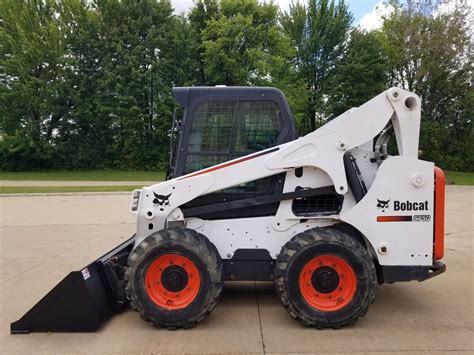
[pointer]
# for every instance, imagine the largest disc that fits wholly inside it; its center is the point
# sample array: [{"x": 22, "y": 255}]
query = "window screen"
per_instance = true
[{"x": 225, "y": 130}]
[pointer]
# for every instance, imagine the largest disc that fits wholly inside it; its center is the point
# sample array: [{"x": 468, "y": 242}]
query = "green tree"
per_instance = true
[
  {"x": 87, "y": 84},
  {"x": 244, "y": 45},
  {"x": 359, "y": 76},
  {"x": 122, "y": 74},
  {"x": 319, "y": 32},
  {"x": 32, "y": 65},
  {"x": 86, "y": 139},
  {"x": 421, "y": 60},
  {"x": 182, "y": 63},
  {"x": 199, "y": 16}
]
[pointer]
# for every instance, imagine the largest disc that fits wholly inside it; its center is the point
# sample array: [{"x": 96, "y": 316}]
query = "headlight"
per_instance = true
[{"x": 135, "y": 200}]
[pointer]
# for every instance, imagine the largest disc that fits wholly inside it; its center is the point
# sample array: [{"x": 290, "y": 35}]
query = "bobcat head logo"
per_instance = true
[
  {"x": 383, "y": 204},
  {"x": 162, "y": 200}
]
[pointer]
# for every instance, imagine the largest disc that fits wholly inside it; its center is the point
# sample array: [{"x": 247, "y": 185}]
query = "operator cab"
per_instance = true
[{"x": 224, "y": 123}]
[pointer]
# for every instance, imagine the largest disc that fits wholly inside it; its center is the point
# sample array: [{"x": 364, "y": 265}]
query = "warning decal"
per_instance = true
[{"x": 85, "y": 273}]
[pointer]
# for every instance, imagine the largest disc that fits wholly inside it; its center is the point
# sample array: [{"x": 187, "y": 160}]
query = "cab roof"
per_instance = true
[{"x": 185, "y": 96}]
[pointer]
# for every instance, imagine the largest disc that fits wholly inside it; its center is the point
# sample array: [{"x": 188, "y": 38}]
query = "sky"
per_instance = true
[
  {"x": 359, "y": 8},
  {"x": 372, "y": 20},
  {"x": 367, "y": 13}
]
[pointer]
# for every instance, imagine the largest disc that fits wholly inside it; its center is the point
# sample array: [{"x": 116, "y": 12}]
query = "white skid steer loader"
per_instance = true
[{"x": 326, "y": 216}]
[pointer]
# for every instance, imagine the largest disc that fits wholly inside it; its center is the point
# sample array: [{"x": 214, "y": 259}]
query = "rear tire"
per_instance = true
[
  {"x": 174, "y": 278},
  {"x": 325, "y": 279}
]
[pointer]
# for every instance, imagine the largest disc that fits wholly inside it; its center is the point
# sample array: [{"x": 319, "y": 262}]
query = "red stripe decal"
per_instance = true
[
  {"x": 394, "y": 218},
  {"x": 230, "y": 163}
]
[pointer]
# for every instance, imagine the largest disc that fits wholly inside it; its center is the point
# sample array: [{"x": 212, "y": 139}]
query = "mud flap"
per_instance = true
[{"x": 83, "y": 300}]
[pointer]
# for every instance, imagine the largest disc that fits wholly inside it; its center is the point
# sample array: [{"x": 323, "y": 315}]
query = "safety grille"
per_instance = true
[
  {"x": 320, "y": 205},
  {"x": 225, "y": 130}
]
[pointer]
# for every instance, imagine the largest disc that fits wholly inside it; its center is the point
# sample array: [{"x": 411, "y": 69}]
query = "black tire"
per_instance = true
[
  {"x": 182, "y": 242},
  {"x": 299, "y": 251}
]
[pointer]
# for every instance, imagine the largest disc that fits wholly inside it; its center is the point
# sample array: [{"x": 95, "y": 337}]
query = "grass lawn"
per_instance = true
[
  {"x": 458, "y": 178},
  {"x": 51, "y": 189},
  {"x": 97, "y": 175}
]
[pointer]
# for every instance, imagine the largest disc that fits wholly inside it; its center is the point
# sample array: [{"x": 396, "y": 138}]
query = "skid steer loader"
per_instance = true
[{"x": 326, "y": 216}]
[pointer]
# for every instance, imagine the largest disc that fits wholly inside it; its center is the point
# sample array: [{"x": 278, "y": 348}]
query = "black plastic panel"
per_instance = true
[
  {"x": 249, "y": 265},
  {"x": 354, "y": 177}
]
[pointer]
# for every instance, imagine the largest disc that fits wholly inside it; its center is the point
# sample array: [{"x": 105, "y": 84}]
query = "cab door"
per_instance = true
[{"x": 217, "y": 129}]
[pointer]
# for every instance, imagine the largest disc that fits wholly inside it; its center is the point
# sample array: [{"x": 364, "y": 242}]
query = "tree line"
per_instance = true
[{"x": 87, "y": 84}]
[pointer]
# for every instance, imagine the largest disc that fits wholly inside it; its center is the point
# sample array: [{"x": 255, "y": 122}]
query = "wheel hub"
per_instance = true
[
  {"x": 172, "y": 281},
  {"x": 174, "y": 278},
  {"x": 327, "y": 283},
  {"x": 325, "y": 279}
]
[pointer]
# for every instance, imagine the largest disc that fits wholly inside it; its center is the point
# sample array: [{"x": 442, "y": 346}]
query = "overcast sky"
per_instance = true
[
  {"x": 367, "y": 13},
  {"x": 359, "y": 8}
]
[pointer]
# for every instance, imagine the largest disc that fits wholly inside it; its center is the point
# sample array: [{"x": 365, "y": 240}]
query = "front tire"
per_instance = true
[
  {"x": 325, "y": 279},
  {"x": 174, "y": 278}
]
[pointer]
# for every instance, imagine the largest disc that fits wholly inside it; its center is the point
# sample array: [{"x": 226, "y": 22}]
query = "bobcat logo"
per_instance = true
[
  {"x": 161, "y": 200},
  {"x": 383, "y": 204}
]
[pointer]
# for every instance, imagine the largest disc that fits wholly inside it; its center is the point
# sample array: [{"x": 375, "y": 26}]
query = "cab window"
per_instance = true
[{"x": 225, "y": 130}]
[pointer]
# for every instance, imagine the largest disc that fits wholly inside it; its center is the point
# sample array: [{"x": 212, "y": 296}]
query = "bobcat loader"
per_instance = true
[{"x": 327, "y": 216}]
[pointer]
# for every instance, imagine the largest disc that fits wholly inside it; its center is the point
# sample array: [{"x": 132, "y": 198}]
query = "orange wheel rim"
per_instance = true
[
  {"x": 172, "y": 281},
  {"x": 328, "y": 283}
]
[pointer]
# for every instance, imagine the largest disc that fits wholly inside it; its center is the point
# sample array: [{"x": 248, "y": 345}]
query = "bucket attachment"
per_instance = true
[{"x": 83, "y": 300}]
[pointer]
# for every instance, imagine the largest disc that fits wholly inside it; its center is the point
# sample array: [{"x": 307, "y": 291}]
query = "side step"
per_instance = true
[{"x": 83, "y": 300}]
